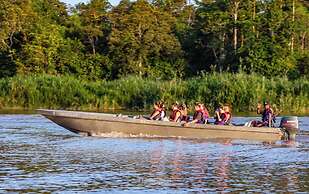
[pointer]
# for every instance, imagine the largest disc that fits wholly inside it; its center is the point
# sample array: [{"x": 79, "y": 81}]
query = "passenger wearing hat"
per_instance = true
[{"x": 267, "y": 115}]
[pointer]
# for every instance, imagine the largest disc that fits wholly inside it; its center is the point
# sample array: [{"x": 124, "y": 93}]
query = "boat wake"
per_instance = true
[{"x": 300, "y": 139}]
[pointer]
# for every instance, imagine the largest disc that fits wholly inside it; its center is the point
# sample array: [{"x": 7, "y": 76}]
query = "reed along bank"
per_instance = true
[{"x": 241, "y": 91}]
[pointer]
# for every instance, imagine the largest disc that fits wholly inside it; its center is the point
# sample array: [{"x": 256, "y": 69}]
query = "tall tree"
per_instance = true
[
  {"x": 39, "y": 52},
  {"x": 142, "y": 41},
  {"x": 235, "y": 12},
  {"x": 94, "y": 22},
  {"x": 210, "y": 36},
  {"x": 14, "y": 18}
]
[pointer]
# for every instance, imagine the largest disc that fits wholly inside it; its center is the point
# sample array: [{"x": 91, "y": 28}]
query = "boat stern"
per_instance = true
[{"x": 289, "y": 125}]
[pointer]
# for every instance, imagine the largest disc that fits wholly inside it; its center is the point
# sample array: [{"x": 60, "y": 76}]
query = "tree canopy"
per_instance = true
[{"x": 164, "y": 39}]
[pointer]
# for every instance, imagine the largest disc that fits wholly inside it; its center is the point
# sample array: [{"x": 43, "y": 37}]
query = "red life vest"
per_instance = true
[
  {"x": 224, "y": 116},
  {"x": 173, "y": 115},
  {"x": 228, "y": 118},
  {"x": 205, "y": 114}
]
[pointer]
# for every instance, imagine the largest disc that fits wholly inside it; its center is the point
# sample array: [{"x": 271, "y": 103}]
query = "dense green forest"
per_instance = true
[{"x": 159, "y": 40}]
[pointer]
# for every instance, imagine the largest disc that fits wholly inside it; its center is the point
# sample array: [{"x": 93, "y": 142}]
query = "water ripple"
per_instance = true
[{"x": 39, "y": 156}]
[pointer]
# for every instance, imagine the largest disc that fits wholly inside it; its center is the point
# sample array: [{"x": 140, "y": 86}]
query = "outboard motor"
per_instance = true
[{"x": 290, "y": 126}]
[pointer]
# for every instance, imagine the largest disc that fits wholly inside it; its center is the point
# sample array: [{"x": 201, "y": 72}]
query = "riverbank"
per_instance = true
[{"x": 242, "y": 91}]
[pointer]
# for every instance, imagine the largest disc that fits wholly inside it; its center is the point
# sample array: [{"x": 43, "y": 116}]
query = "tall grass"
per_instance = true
[{"x": 241, "y": 91}]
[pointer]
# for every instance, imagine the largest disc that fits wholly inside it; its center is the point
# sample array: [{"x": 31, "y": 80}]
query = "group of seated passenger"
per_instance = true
[{"x": 179, "y": 113}]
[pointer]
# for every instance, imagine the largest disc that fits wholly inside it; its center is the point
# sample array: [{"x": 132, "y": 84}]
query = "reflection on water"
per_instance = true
[{"x": 38, "y": 156}]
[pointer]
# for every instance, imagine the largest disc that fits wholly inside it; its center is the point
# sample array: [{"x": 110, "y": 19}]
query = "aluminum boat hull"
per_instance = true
[{"x": 100, "y": 124}]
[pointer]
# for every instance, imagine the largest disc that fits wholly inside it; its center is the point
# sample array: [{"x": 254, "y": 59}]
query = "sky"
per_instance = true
[{"x": 73, "y": 2}]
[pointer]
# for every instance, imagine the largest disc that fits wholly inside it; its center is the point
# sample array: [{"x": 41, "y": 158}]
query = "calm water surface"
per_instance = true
[{"x": 39, "y": 156}]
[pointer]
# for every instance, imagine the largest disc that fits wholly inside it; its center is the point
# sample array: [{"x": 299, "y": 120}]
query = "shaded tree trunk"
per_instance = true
[
  {"x": 235, "y": 14},
  {"x": 11, "y": 39},
  {"x": 253, "y": 14},
  {"x": 222, "y": 51},
  {"x": 303, "y": 39},
  {"x": 92, "y": 42},
  {"x": 293, "y": 20}
]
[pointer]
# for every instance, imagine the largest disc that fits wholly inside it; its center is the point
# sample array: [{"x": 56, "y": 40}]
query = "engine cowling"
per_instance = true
[{"x": 290, "y": 126}]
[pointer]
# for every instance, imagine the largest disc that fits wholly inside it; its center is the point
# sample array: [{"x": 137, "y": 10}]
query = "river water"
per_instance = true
[{"x": 39, "y": 156}]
